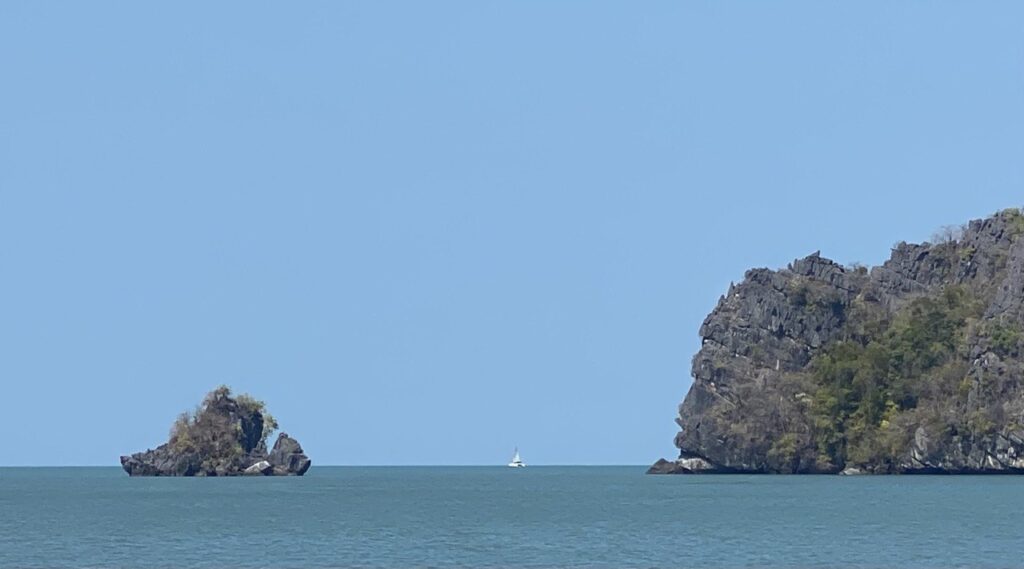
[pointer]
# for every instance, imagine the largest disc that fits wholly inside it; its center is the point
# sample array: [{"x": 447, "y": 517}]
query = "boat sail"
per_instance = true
[{"x": 516, "y": 461}]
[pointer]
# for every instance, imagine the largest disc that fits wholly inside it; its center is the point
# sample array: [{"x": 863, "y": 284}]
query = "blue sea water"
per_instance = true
[{"x": 543, "y": 517}]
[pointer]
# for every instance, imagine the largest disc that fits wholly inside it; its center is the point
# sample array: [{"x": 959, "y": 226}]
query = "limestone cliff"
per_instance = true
[
  {"x": 911, "y": 367},
  {"x": 226, "y": 436}
]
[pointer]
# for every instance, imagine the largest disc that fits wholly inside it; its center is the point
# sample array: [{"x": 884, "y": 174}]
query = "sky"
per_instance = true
[{"x": 427, "y": 232}]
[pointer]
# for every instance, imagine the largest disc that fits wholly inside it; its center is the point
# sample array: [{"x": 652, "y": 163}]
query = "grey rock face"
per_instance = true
[
  {"x": 287, "y": 457},
  {"x": 161, "y": 461},
  {"x": 751, "y": 397},
  {"x": 766, "y": 326}
]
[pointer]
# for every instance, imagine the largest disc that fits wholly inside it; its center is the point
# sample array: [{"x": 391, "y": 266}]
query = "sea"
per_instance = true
[{"x": 496, "y": 517}]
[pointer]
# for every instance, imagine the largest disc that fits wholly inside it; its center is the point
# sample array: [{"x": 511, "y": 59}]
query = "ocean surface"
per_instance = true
[{"x": 543, "y": 517}]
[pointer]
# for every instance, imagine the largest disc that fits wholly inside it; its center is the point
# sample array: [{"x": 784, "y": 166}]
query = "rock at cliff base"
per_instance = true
[
  {"x": 288, "y": 458},
  {"x": 662, "y": 467},
  {"x": 261, "y": 468},
  {"x": 690, "y": 465}
]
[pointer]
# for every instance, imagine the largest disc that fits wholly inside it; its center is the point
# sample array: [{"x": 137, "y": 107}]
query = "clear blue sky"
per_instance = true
[{"x": 425, "y": 232}]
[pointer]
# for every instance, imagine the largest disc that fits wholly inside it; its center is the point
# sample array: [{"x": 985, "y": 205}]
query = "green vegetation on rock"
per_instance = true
[
  {"x": 864, "y": 386},
  {"x": 912, "y": 366},
  {"x": 217, "y": 430},
  {"x": 225, "y": 436}
]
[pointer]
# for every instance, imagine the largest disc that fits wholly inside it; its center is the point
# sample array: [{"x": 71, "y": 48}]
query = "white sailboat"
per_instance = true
[{"x": 516, "y": 461}]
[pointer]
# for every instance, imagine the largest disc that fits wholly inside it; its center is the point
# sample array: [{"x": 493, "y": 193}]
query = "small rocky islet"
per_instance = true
[
  {"x": 226, "y": 436},
  {"x": 912, "y": 367}
]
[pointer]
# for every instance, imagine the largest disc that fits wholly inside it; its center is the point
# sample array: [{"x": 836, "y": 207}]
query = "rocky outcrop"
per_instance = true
[
  {"x": 911, "y": 367},
  {"x": 227, "y": 436},
  {"x": 692, "y": 465},
  {"x": 287, "y": 457}
]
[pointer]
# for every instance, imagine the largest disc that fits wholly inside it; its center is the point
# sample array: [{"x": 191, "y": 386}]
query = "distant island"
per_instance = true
[
  {"x": 225, "y": 436},
  {"x": 915, "y": 366}
]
